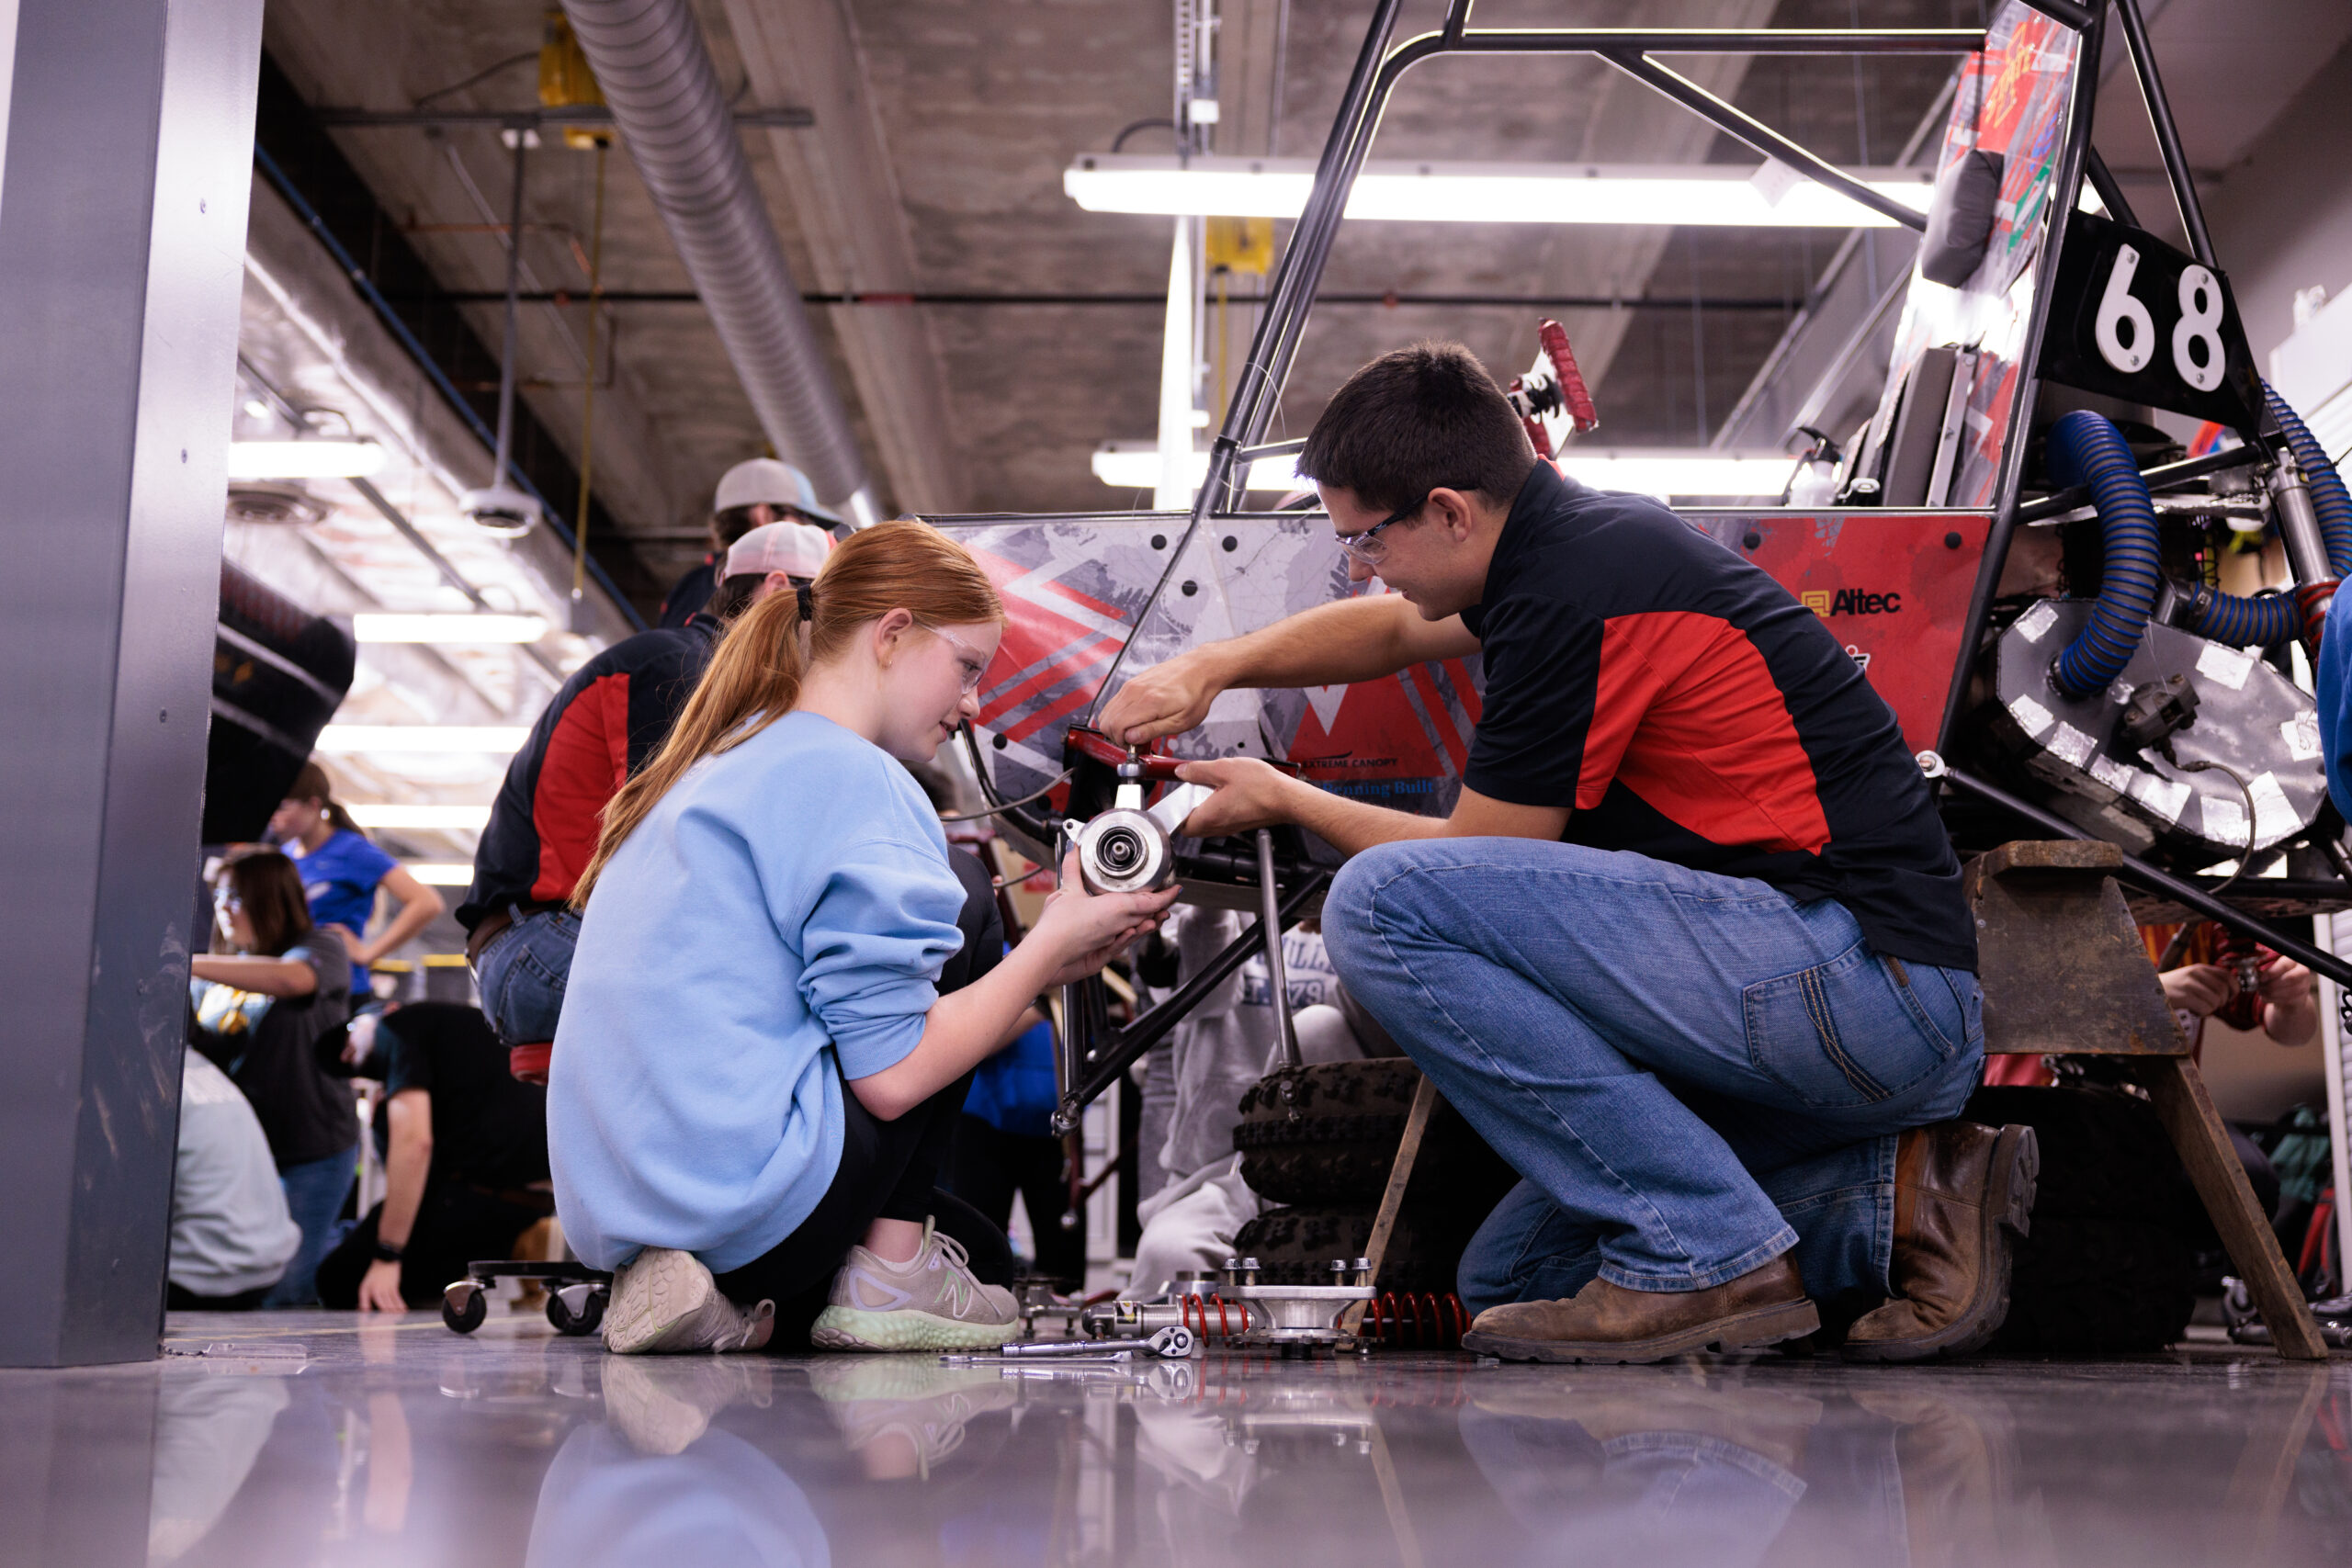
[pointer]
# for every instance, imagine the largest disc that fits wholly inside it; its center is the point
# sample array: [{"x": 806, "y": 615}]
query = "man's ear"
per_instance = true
[{"x": 1457, "y": 510}]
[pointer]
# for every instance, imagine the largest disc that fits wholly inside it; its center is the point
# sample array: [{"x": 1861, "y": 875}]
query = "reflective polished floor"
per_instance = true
[{"x": 306, "y": 1440}]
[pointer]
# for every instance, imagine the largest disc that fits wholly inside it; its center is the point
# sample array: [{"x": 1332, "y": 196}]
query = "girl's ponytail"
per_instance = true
[{"x": 754, "y": 676}]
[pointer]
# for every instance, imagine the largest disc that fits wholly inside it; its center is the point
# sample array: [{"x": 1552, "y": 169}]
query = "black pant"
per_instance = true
[
  {"x": 890, "y": 1170},
  {"x": 990, "y": 1166},
  {"x": 456, "y": 1224}
]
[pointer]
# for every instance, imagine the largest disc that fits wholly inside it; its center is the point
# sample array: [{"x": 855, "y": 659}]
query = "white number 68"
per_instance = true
[{"x": 2126, "y": 333}]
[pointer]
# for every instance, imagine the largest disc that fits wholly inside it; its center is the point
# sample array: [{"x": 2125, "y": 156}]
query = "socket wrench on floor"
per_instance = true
[{"x": 1170, "y": 1343}]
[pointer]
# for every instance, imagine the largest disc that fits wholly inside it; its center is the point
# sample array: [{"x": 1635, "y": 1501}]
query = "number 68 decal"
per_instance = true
[{"x": 2126, "y": 333}]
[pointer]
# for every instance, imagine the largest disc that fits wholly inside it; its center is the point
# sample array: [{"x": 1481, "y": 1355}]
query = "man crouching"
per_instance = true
[{"x": 1690, "y": 952}]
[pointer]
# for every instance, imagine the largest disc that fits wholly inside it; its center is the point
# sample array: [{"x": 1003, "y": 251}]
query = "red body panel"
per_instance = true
[{"x": 1893, "y": 586}]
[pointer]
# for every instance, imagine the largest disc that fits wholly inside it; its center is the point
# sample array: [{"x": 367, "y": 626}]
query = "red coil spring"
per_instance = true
[
  {"x": 1219, "y": 1323},
  {"x": 2312, "y": 599},
  {"x": 1422, "y": 1320}
]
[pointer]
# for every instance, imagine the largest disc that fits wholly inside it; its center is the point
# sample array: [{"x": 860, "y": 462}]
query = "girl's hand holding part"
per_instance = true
[{"x": 1085, "y": 930}]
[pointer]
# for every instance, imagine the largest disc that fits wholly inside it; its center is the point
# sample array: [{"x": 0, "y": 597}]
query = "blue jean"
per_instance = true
[
  {"x": 1694, "y": 1073},
  {"x": 522, "y": 973},
  {"x": 316, "y": 1189}
]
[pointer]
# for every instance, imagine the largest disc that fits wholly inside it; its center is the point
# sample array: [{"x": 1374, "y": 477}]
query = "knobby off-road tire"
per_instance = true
[
  {"x": 2110, "y": 1265},
  {"x": 1326, "y": 1136}
]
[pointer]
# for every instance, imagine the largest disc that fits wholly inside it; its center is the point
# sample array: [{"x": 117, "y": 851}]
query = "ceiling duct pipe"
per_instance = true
[{"x": 650, "y": 61}]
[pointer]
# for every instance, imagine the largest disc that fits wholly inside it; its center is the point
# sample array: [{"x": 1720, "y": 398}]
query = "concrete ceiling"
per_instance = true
[{"x": 934, "y": 166}]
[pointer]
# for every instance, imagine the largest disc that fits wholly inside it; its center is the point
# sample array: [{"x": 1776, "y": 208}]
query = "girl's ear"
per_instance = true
[{"x": 889, "y": 631}]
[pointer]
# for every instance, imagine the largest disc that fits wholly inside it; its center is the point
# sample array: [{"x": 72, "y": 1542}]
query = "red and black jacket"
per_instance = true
[{"x": 607, "y": 722}]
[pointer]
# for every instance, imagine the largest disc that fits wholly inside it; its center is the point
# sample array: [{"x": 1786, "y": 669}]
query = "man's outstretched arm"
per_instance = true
[
  {"x": 1251, "y": 795},
  {"x": 1352, "y": 640}
]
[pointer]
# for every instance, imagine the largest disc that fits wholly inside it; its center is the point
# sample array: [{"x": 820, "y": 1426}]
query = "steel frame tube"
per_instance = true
[
  {"x": 1703, "y": 40},
  {"x": 1759, "y": 136},
  {"x": 1269, "y": 926},
  {"x": 2290, "y": 509},
  {"x": 1107, "y": 1058},
  {"x": 2068, "y": 12},
  {"x": 1377, "y": 69},
  {"x": 1997, "y": 538},
  {"x": 2163, "y": 476},
  {"x": 2119, "y": 206},
  {"x": 1251, "y": 407},
  {"x": 2151, "y": 89}
]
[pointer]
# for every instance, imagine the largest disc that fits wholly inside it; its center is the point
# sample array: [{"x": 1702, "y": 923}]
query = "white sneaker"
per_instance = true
[
  {"x": 928, "y": 1302},
  {"x": 664, "y": 1405},
  {"x": 906, "y": 1408},
  {"x": 664, "y": 1300}
]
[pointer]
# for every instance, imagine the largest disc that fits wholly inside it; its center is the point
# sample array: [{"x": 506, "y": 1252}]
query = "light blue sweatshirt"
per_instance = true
[{"x": 772, "y": 927}]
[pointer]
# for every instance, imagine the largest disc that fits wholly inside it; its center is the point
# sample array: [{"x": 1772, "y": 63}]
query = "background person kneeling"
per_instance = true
[
  {"x": 465, "y": 1152},
  {"x": 755, "y": 1076}
]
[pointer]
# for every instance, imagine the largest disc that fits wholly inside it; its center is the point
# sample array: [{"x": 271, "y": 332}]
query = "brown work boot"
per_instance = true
[
  {"x": 1608, "y": 1323},
  {"x": 1959, "y": 1186}
]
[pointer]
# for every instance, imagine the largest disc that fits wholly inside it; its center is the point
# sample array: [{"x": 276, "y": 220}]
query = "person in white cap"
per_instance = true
[
  {"x": 751, "y": 495},
  {"x": 543, "y": 826}
]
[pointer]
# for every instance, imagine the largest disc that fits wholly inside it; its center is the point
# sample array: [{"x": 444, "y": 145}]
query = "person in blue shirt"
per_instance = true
[
  {"x": 341, "y": 871},
  {"x": 755, "y": 1078},
  {"x": 2333, "y": 684}
]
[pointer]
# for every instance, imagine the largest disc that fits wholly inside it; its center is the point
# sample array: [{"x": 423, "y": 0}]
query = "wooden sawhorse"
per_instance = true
[{"x": 2066, "y": 974}]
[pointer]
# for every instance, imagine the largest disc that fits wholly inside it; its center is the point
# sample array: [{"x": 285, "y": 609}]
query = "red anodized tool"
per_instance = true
[{"x": 1550, "y": 397}]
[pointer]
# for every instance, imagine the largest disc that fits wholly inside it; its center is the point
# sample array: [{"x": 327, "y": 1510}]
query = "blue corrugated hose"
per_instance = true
[
  {"x": 2329, "y": 498},
  {"x": 2086, "y": 450}
]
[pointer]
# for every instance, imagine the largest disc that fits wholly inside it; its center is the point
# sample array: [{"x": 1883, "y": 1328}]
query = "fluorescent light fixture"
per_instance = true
[
  {"x": 1697, "y": 472},
  {"x": 1134, "y": 465},
  {"x": 457, "y": 628},
  {"x": 447, "y": 817},
  {"x": 502, "y": 738},
  {"x": 304, "y": 460},
  {"x": 442, "y": 872},
  {"x": 1715, "y": 194}
]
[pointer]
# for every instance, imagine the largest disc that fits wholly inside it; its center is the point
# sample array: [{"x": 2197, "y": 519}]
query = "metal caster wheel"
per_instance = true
[
  {"x": 464, "y": 1306},
  {"x": 577, "y": 1310}
]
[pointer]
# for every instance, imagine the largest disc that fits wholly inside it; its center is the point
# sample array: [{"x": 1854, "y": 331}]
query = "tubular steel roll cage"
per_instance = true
[{"x": 1092, "y": 1052}]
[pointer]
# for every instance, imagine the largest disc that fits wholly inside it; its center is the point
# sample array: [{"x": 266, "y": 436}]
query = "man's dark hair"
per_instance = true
[{"x": 1413, "y": 420}]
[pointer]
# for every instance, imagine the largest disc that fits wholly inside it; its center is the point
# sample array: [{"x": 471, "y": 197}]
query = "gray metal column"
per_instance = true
[{"x": 122, "y": 225}]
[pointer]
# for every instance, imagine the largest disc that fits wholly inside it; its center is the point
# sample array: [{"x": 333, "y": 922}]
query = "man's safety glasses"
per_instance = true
[{"x": 1368, "y": 546}]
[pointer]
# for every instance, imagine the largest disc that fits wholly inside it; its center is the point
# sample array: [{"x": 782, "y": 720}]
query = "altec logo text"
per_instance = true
[{"x": 1851, "y": 602}]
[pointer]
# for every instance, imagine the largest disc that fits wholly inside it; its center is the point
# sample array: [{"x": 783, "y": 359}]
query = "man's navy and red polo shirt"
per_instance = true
[
  {"x": 605, "y": 723},
  {"x": 1686, "y": 707}
]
